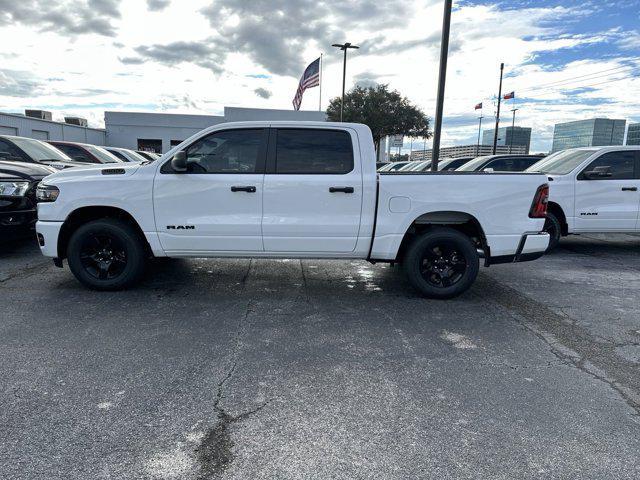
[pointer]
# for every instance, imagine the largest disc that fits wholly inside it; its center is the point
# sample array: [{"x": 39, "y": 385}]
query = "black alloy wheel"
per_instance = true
[
  {"x": 107, "y": 254},
  {"x": 441, "y": 263},
  {"x": 103, "y": 256}
]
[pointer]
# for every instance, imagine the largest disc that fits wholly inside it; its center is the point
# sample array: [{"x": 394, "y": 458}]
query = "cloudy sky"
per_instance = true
[{"x": 566, "y": 60}]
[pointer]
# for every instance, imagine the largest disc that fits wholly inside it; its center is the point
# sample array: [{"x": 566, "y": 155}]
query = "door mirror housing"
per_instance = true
[
  {"x": 488, "y": 170},
  {"x": 598, "y": 172},
  {"x": 179, "y": 161}
]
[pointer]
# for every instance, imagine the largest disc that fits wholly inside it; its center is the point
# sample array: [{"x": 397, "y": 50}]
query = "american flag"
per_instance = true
[{"x": 310, "y": 78}]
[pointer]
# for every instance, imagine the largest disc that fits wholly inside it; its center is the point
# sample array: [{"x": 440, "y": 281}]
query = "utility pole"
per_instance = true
[
  {"x": 442, "y": 78},
  {"x": 479, "y": 130},
  {"x": 513, "y": 128},
  {"x": 344, "y": 47},
  {"x": 495, "y": 133}
]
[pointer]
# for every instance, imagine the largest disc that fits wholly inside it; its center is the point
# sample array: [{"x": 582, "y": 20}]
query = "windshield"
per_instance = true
[
  {"x": 136, "y": 156},
  {"x": 102, "y": 154},
  {"x": 473, "y": 165},
  {"x": 562, "y": 162},
  {"x": 38, "y": 150}
]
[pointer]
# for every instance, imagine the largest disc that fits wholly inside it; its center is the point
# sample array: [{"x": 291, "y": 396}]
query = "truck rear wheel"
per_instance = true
[
  {"x": 442, "y": 263},
  {"x": 106, "y": 254}
]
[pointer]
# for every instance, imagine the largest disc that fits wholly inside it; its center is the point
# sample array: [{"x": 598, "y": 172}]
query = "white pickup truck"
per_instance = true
[
  {"x": 592, "y": 189},
  {"x": 288, "y": 190}
]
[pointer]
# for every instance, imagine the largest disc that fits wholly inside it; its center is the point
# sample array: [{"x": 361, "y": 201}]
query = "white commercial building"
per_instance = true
[
  {"x": 137, "y": 130},
  {"x": 160, "y": 131},
  {"x": 42, "y": 127},
  {"x": 469, "y": 151}
]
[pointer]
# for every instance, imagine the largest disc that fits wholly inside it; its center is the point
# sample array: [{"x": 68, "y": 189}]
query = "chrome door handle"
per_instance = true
[
  {"x": 629, "y": 189},
  {"x": 248, "y": 189},
  {"x": 341, "y": 189}
]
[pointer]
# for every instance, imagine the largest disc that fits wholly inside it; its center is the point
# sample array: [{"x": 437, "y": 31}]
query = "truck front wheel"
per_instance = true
[
  {"x": 106, "y": 254},
  {"x": 442, "y": 263},
  {"x": 554, "y": 229}
]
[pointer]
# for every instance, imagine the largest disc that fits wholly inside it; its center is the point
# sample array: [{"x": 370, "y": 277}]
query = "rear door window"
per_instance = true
[{"x": 313, "y": 151}]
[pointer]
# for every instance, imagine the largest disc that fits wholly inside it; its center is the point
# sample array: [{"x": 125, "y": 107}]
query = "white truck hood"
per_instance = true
[{"x": 91, "y": 171}]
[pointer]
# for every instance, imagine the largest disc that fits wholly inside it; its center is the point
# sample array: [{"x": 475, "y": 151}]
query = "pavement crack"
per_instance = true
[
  {"x": 570, "y": 343},
  {"x": 215, "y": 451}
]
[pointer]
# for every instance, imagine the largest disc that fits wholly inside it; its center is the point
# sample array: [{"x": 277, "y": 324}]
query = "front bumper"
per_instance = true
[
  {"x": 16, "y": 224},
  {"x": 532, "y": 246},
  {"x": 48, "y": 233}
]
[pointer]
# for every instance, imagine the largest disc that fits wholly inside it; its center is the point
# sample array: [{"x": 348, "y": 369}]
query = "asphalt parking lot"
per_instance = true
[{"x": 258, "y": 369}]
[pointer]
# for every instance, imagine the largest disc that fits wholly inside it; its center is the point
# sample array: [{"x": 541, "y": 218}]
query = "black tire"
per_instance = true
[
  {"x": 442, "y": 263},
  {"x": 106, "y": 254},
  {"x": 553, "y": 227}
]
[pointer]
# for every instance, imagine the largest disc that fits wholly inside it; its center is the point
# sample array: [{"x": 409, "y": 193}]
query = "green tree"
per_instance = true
[{"x": 384, "y": 112}]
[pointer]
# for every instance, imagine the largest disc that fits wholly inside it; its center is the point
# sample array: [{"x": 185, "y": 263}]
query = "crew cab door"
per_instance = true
[
  {"x": 216, "y": 205},
  {"x": 312, "y": 191},
  {"x": 609, "y": 202}
]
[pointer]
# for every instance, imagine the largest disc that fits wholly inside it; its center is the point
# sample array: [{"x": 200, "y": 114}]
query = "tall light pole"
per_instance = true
[
  {"x": 442, "y": 78},
  {"x": 495, "y": 133},
  {"x": 344, "y": 47}
]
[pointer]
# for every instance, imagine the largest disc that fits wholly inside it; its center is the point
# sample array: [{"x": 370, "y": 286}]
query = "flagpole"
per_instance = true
[
  {"x": 320, "y": 101},
  {"x": 479, "y": 129},
  {"x": 513, "y": 124},
  {"x": 495, "y": 134}
]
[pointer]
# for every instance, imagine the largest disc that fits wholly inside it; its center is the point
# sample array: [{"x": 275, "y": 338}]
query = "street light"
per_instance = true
[{"x": 344, "y": 47}]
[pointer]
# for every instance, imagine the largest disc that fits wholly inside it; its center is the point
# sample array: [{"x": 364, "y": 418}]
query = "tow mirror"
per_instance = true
[
  {"x": 598, "y": 172},
  {"x": 179, "y": 161}
]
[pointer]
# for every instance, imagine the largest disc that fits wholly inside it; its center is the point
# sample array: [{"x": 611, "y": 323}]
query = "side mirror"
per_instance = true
[
  {"x": 488, "y": 170},
  {"x": 598, "y": 172},
  {"x": 179, "y": 161}
]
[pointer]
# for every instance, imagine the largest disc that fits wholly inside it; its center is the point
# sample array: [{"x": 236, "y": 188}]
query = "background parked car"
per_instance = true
[
  {"x": 85, "y": 153},
  {"x": 415, "y": 166},
  {"x": 18, "y": 182},
  {"x": 20, "y": 149},
  {"x": 148, "y": 155},
  {"x": 393, "y": 166},
  {"x": 125, "y": 154},
  {"x": 500, "y": 163},
  {"x": 449, "y": 164}
]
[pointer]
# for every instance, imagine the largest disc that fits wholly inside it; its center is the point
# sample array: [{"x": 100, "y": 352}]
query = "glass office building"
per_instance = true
[
  {"x": 633, "y": 134},
  {"x": 521, "y": 137},
  {"x": 595, "y": 132}
]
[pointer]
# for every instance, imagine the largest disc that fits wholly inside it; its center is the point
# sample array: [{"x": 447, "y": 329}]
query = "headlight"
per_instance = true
[
  {"x": 47, "y": 193},
  {"x": 13, "y": 189}
]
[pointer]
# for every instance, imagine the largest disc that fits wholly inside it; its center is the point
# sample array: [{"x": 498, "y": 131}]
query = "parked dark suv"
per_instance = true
[{"x": 18, "y": 182}]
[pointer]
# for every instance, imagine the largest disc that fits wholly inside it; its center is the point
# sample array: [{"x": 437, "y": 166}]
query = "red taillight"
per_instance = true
[{"x": 540, "y": 201}]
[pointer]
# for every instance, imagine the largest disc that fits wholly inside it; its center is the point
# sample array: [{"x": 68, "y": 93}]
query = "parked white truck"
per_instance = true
[
  {"x": 594, "y": 189},
  {"x": 288, "y": 190}
]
